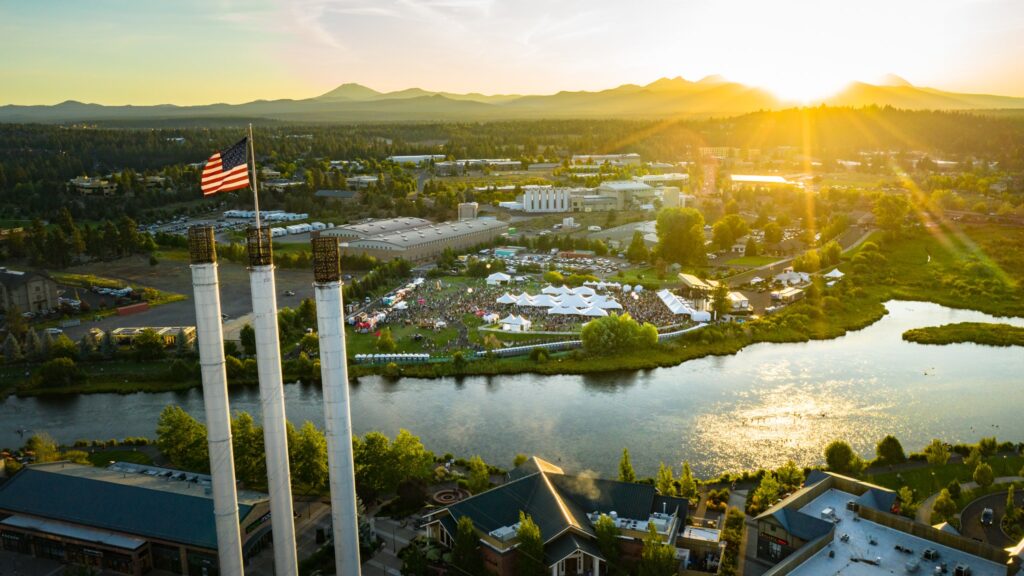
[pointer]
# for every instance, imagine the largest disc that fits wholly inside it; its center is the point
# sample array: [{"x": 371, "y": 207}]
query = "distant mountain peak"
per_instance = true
[
  {"x": 713, "y": 79},
  {"x": 893, "y": 80},
  {"x": 668, "y": 84},
  {"x": 350, "y": 91}
]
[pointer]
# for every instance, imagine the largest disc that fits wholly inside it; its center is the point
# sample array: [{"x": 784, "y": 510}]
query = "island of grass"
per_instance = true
[{"x": 975, "y": 332}]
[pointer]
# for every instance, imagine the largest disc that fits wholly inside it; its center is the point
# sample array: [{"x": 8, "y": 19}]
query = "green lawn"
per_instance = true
[
  {"x": 929, "y": 480},
  {"x": 103, "y": 459},
  {"x": 753, "y": 261}
]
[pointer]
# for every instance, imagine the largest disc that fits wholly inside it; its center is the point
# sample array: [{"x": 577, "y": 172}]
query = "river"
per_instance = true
[{"x": 757, "y": 408}]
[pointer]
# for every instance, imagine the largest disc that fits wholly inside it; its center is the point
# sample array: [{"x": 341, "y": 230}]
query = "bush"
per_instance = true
[{"x": 59, "y": 373}]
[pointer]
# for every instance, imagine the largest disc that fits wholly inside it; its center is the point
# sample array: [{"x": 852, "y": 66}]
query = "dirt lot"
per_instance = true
[{"x": 175, "y": 276}]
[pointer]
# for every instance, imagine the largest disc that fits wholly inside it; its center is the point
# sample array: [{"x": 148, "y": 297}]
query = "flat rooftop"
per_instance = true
[
  {"x": 889, "y": 559},
  {"x": 150, "y": 477}
]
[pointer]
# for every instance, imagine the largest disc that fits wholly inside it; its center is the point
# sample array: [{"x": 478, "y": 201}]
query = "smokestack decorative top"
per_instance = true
[
  {"x": 258, "y": 242},
  {"x": 326, "y": 260},
  {"x": 202, "y": 247}
]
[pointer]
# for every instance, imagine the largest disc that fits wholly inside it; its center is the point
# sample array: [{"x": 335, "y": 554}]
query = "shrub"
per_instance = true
[{"x": 59, "y": 372}]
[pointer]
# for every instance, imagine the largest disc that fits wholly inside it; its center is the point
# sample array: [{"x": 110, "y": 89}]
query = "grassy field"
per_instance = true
[
  {"x": 104, "y": 458},
  {"x": 752, "y": 261},
  {"x": 929, "y": 480},
  {"x": 976, "y": 332}
]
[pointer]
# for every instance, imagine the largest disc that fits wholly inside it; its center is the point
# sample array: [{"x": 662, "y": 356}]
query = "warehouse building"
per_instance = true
[
  {"x": 376, "y": 227},
  {"x": 126, "y": 518},
  {"x": 416, "y": 243},
  {"x": 28, "y": 291}
]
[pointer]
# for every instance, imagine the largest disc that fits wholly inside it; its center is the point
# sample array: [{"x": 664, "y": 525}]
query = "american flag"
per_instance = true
[{"x": 226, "y": 170}]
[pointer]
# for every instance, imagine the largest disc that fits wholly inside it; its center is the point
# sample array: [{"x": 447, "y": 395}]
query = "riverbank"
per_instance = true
[
  {"x": 974, "y": 268},
  {"x": 973, "y": 332}
]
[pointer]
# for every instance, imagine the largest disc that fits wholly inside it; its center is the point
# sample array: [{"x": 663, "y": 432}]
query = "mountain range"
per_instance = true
[{"x": 663, "y": 98}]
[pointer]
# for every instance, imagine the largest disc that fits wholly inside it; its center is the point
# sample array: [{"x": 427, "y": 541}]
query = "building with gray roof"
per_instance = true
[
  {"x": 565, "y": 508},
  {"x": 126, "y": 518}
]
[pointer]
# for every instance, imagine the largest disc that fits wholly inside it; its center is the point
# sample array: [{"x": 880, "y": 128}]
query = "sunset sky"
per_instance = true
[{"x": 194, "y": 52}]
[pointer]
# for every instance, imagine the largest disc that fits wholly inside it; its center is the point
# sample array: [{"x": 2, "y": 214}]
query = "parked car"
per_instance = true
[{"x": 986, "y": 517}]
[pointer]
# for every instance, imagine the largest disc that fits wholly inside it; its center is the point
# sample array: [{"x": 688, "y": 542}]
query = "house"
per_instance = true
[
  {"x": 565, "y": 508},
  {"x": 28, "y": 291}
]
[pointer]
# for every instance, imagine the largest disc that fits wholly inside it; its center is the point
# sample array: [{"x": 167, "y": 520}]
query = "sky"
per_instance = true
[{"x": 198, "y": 52}]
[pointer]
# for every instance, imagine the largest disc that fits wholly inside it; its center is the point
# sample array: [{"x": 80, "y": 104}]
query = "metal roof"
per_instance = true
[
  {"x": 93, "y": 502},
  {"x": 76, "y": 532}
]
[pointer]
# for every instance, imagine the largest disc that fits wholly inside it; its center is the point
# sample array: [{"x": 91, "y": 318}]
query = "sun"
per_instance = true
[{"x": 803, "y": 86}]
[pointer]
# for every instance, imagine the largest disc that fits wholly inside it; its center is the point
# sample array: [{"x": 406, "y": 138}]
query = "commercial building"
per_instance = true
[
  {"x": 663, "y": 179},
  {"x": 417, "y": 159},
  {"x": 169, "y": 334},
  {"x": 361, "y": 181},
  {"x": 369, "y": 228},
  {"x": 468, "y": 210},
  {"x": 93, "y": 186},
  {"x": 565, "y": 508},
  {"x": 626, "y": 192},
  {"x": 741, "y": 181},
  {"x": 126, "y": 518},
  {"x": 29, "y": 291},
  {"x": 836, "y": 524},
  {"x": 455, "y": 167},
  {"x": 415, "y": 243},
  {"x": 613, "y": 159}
]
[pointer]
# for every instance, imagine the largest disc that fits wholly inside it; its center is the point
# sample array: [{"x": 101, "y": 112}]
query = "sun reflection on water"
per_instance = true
[{"x": 787, "y": 417}]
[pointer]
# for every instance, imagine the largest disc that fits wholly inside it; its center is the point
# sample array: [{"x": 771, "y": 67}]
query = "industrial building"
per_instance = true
[
  {"x": 369, "y": 228},
  {"x": 540, "y": 199},
  {"x": 126, "y": 518},
  {"x": 414, "y": 239},
  {"x": 836, "y": 524},
  {"x": 565, "y": 508},
  {"x": 28, "y": 291}
]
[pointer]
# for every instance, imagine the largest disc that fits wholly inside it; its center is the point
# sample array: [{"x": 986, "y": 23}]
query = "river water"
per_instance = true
[{"x": 757, "y": 408}]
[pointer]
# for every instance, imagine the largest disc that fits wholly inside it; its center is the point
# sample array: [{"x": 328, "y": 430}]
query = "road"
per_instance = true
[{"x": 970, "y": 519}]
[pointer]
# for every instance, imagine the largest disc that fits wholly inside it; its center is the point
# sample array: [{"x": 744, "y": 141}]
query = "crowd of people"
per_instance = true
[{"x": 440, "y": 304}]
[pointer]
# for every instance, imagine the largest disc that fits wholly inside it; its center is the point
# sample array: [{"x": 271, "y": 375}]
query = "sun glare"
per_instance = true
[{"x": 804, "y": 87}]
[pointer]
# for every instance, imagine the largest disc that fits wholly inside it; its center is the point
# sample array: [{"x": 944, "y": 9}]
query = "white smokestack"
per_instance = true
[
  {"x": 275, "y": 436},
  {"x": 337, "y": 414},
  {"x": 210, "y": 339}
]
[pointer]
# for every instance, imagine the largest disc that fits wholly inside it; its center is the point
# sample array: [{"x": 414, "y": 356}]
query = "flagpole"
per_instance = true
[{"x": 255, "y": 190}]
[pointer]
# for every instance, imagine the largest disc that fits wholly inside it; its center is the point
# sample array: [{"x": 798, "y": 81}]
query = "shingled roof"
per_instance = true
[{"x": 557, "y": 501}]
